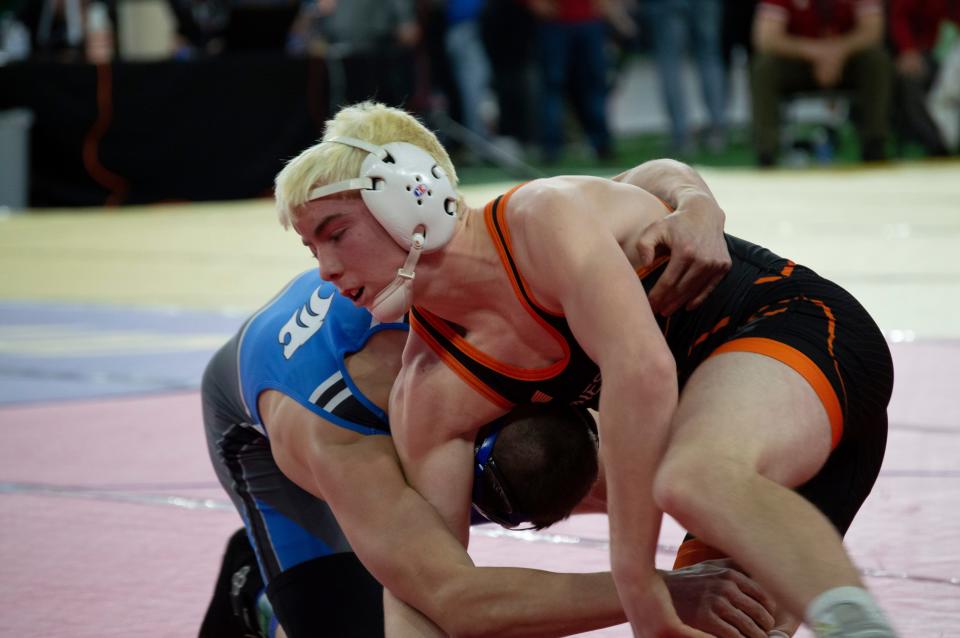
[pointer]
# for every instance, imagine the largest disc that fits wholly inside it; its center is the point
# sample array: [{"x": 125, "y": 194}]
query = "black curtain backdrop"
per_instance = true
[{"x": 134, "y": 133}]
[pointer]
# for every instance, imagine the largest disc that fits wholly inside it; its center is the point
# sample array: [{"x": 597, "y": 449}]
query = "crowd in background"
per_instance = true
[{"x": 521, "y": 71}]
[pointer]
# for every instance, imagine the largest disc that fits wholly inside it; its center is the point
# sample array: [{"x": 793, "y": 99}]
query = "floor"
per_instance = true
[{"x": 113, "y": 523}]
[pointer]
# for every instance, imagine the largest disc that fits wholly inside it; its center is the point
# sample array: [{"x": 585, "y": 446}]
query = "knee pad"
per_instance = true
[{"x": 233, "y": 608}]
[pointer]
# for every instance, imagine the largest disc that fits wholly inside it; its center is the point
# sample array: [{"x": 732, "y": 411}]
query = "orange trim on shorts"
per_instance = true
[
  {"x": 458, "y": 368},
  {"x": 784, "y": 273},
  {"x": 720, "y": 325},
  {"x": 646, "y": 270},
  {"x": 803, "y": 365},
  {"x": 770, "y": 313},
  {"x": 831, "y": 337},
  {"x": 695, "y": 551}
]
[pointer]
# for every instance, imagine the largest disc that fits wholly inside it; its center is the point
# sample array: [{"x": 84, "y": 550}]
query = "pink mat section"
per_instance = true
[
  {"x": 80, "y": 565},
  {"x": 113, "y": 523}
]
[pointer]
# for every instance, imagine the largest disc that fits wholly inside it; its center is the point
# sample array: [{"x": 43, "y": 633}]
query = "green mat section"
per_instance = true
[{"x": 632, "y": 150}]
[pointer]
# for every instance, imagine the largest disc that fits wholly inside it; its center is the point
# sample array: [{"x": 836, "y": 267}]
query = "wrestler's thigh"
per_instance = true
[{"x": 753, "y": 411}]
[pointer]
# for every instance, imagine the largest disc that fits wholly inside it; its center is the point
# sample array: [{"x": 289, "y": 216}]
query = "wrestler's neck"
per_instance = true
[{"x": 460, "y": 280}]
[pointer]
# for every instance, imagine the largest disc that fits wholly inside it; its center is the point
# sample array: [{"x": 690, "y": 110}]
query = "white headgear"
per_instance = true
[
  {"x": 405, "y": 189},
  {"x": 412, "y": 198}
]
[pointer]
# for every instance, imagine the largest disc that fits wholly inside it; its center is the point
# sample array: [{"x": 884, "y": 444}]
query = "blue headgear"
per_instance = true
[{"x": 491, "y": 496}]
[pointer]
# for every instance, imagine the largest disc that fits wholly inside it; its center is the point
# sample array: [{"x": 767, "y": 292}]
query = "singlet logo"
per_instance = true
[
  {"x": 304, "y": 323},
  {"x": 589, "y": 392}
]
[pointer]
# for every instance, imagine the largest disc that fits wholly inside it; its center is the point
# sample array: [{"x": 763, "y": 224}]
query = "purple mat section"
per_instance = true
[{"x": 55, "y": 351}]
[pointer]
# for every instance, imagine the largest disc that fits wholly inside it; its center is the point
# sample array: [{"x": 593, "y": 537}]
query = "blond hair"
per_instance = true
[{"x": 327, "y": 162}]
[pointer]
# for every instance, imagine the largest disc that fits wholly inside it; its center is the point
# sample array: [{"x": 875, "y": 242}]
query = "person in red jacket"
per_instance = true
[
  {"x": 914, "y": 29},
  {"x": 812, "y": 45}
]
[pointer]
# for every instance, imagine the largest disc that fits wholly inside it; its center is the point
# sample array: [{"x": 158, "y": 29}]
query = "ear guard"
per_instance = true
[
  {"x": 405, "y": 190},
  {"x": 491, "y": 495}
]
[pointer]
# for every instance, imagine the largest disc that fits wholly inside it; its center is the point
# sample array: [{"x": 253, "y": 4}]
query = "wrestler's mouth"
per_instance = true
[{"x": 353, "y": 294}]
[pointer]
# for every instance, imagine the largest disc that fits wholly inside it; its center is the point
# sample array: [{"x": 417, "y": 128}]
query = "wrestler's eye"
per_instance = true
[{"x": 337, "y": 235}]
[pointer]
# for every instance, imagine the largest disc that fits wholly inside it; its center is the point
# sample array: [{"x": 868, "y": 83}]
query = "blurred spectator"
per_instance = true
[
  {"x": 674, "y": 24},
  {"x": 737, "y": 24},
  {"x": 375, "y": 42},
  {"x": 914, "y": 27},
  {"x": 468, "y": 61},
  {"x": 813, "y": 45},
  {"x": 508, "y": 30},
  {"x": 56, "y": 28},
  {"x": 571, "y": 46},
  {"x": 229, "y": 26},
  {"x": 200, "y": 26},
  {"x": 944, "y": 100}
]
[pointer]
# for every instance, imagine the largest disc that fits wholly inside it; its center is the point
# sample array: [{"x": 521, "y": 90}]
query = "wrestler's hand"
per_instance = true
[
  {"x": 699, "y": 259},
  {"x": 714, "y": 597},
  {"x": 651, "y": 613}
]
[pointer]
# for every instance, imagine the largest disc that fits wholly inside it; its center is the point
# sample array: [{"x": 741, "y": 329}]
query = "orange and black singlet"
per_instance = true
[
  {"x": 765, "y": 304},
  {"x": 574, "y": 379}
]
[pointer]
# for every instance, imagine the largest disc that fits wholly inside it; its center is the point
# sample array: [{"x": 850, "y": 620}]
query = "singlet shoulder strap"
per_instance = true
[{"x": 495, "y": 217}]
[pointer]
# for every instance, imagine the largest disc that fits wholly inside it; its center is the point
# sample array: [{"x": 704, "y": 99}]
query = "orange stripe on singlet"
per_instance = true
[
  {"x": 505, "y": 249},
  {"x": 720, "y": 324},
  {"x": 831, "y": 337},
  {"x": 468, "y": 349},
  {"x": 643, "y": 271},
  {"x": 803, "y": 365},
  {"x": 786, "y": 272},
  {"x": 489, "y": 393}
]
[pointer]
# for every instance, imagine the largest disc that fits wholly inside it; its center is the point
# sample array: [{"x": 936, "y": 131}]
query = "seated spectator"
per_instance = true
[
  {"x": 819, "y": 45},
  {"x": 914, "y": 27}
]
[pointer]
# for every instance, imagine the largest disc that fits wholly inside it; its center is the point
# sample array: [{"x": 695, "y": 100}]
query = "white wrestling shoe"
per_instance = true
[{"x": 848, "y": 612}]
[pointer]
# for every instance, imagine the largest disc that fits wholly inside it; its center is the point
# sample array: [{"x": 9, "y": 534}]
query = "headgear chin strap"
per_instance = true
[
  {"x": 411, "y": 196},
  {"x": 395, "y": 299}
]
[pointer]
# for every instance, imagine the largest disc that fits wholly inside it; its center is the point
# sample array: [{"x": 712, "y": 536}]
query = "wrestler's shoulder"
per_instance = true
[{"x": 550, "y": 195}]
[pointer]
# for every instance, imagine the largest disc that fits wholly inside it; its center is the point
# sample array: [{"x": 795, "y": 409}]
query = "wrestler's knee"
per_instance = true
[{"x": 692, "y": 481}]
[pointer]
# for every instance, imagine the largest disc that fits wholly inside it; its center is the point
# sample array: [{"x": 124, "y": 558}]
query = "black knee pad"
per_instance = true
[
  {"x": 232, "y": 612},
  {"x": 329, "y": 596}
]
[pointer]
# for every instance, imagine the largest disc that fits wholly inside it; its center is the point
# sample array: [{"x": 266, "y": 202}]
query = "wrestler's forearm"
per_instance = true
[
  {"x": 517, "y": 602},
  {"x": 423, "y": 565},
  {"x": 632, "y": 461},
  {"x": 403, "y": 621}
]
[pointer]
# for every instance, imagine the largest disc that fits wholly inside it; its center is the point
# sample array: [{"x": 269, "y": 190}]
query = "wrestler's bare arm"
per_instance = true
[
  {"x": 421, "y": 562},
  {"x": 565, "y": 256},
  {"x": 405, "y": 544}
]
